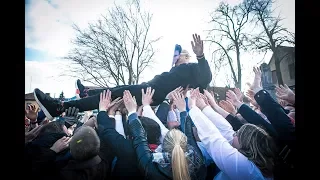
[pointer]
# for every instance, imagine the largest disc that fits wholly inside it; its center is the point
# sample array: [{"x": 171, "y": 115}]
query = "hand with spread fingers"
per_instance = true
[
  {"x": 178, "y": 100},
  {"x": 232, "y": 97},
  {"x": 105, "y": 100},
  {"x": 61, "y": 144},
  {"x": 197, "y": 45},
  {"x": 71, "y": 115},
  {"x": 228, "y": 106},
  {"x": 239, "y": 94},
  {"x": 129, "y": 102},
  {"x": 256, "y": 85},
  {"x": 178, "y": 90},
  {"x": 285, "y": 93},
  {"x": 147, "y": 96},
  {"x": 250, "y": 95}
]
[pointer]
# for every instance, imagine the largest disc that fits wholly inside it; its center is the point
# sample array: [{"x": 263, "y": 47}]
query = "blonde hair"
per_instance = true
[
  {"x": 175, "y": 143},
  {"x": 258, "y": 147}
]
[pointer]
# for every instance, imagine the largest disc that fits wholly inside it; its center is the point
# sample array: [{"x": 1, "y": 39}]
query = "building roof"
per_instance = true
[
  {"x": 30, "y": 96},
  {"x": 284, "y": 49}
]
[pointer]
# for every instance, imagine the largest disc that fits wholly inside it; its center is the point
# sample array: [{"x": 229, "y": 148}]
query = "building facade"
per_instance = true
[{"x": 287, "y": 66}]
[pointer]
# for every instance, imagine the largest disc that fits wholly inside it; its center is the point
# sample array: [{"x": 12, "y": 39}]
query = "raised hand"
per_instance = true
[
  {"x": 178, "y": 90},
  {"x": 201, "y": 101},
  {"x": 32, "y": 112},
  {"x": 71, "y": 115},
  {"x": 129, "y": 102},
  {"x": 228, "y": 106},
  {"x": 210, "y": 97},
  {"x": 61, "y": 144},
  {"x": 114, "y": 105},
  {"x": 193, "y": 98},
  {"x": 250, "y": 95},
  {"x": 256, "y": 85},
  {"x": 285, "y": 93},
  {"x": 239, "y": 94},
  {"x": 178, "y": 100},
  {"x": 147, "y": 96},
  {"x": 197, "y": 45},
  {"x": 232, "y": 97},
  {"x": 105, "y": 100}
]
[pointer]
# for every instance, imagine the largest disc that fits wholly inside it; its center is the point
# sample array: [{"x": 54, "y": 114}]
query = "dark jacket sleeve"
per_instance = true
[
  {"x": 275, "y": 114},
  {"x": 162, "y": 112},
  {"x": 234, "y": 121},
  {"x": 111, "y": 139},
  {"x": 203, "y": 73},
  {"x": 187, "y": 129},
  {"x": 254, "y": 118},
  {"x": 140, "y": 145}
]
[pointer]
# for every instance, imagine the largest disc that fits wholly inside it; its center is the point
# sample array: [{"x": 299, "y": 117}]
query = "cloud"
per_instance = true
[{"x": 48, "y": 30}]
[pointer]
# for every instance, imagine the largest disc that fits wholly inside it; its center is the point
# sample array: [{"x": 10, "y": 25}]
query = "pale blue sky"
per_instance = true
[{"x": 49, "y": 32}]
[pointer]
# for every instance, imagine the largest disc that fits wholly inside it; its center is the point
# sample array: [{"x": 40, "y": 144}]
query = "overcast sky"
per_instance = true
[{"x": 48, "y": 35}]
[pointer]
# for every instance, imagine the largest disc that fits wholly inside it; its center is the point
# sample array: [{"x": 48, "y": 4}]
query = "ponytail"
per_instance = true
[{"x": 180, "y": 170}]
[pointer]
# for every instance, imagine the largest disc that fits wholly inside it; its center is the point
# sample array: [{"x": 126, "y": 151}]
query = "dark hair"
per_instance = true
[
  {"x": 52, "y": 127},
  {"x": 152, "y": 129},
  {"x": 245, "y": 99},
  {"x": 84, "y": 144}
]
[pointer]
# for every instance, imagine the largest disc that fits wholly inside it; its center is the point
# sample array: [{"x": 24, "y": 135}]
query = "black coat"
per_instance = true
[{"x": 144, "y": 155}]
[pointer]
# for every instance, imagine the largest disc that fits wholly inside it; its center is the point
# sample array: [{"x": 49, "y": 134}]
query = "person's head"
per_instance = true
[
  {"x": 54, "y": 127},
  {"x": 183, "y": 58},
  {"x": 175, "y": 143},
  {"x": 85, "y": 143},
  {"x": 255, "y": 143},
  {"x": 152, "y": 129}
]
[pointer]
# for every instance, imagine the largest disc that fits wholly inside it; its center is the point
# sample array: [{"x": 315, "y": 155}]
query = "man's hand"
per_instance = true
[
  {"x": 250, "y": 95},
  {"x": 178, "y": 100},
  {"x": 105, "y": 100},
  {"x": 285, "y": 93},
  {"x": 210, "y": 97},
  {"x": 197, "y": 45},
  {"x": 228, "y": 106},
  {"x": 201, "y": 101},
  {"x": 232, "y": 97},
  {"x": 114, "y": 105},
  {"x": 32, "y": 112},
  {"x": 178, "y": 90},
  {"x": 193, "y": 98},
  {"x": 61, "y": 144},
  {"x": 147, "y": 96},
  {"x": 239, "y": 94},
  {"x": 129, "y": 101},
  {"x": 256, "y": 85}
]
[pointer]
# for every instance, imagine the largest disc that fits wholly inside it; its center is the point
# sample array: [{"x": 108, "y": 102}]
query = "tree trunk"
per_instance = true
[
  {"x": 278, "y": 69},
  {"x": 238, "y": 84}
]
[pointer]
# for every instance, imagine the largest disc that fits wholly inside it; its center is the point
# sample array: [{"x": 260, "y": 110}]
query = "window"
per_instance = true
[
  {"x": 291, "y": 71},
  {"x": 274, "y": 77}
]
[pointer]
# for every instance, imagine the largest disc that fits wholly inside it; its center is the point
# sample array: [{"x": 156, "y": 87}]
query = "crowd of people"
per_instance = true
[{"x": 168, "y": 128}]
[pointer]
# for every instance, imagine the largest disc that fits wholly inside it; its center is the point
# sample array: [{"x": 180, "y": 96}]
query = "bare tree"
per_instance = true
[
  {"x": 228, "y": 34},
  {"x": 273, "y": 34},
  {"x": 116, "y": 49}
]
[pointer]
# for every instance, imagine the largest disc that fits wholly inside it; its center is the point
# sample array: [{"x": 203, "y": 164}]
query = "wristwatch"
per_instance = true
[{"x": 167, "y": 100}]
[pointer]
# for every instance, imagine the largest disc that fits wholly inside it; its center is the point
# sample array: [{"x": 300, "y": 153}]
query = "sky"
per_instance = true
[{"x": 48, "y": 35}]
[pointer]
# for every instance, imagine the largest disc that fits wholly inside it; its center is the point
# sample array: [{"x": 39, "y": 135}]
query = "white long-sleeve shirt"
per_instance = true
[
  {"x": 220, "y": 122},
  {"x": 171, "y": 116},
  {"x": 149, "y": 113},
  {"x": 231, "y": 162},
  {"x": 119, "y": 125}
]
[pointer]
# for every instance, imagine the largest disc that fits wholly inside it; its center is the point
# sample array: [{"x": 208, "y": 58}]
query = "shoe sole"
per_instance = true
[{"x": 45, "y": 111}]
